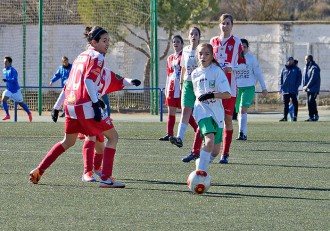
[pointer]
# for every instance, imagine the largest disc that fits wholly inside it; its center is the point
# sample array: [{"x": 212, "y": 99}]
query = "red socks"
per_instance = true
[
  {"x": 51, "y": 156},
  {"x": 197, "y": 143},
  {"x": 227, "y": 138},
  {"x": 98, "y": 160},
  {"x": 108, "y": 159},
  {"x": 88, "y": 155},
  {"x": 193, "y": 123},
  {"x": 170, "y": 125}
]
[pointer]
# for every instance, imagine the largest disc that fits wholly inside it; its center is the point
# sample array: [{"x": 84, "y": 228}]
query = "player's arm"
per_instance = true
[
  {"x": 56, "y": 77},
  {"x": 59, "y": 102},
  {"x": 258, "y": 73}
]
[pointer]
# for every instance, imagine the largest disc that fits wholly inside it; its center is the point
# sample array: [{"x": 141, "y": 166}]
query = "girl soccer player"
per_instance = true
[
  {"x": 188, "y": 64},
  {"x": 246, "y": 81},
  {"x": 210, "y": 86},
  {"x": 172, "y": 88},
  {"x": 82, "y": 109},
  {"x": 228, "y": 52}
]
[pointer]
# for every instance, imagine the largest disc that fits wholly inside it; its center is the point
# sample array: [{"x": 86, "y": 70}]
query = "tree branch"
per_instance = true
[
  {"x": 167, "y": 45},
  {"x": 121, "y": 38},
  {"x": 133, "y": 33}
]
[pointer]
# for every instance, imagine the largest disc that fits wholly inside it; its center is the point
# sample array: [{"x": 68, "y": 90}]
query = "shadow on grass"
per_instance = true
[
  {"x": 281, "y": 165},
  {"x": 299, "y": 151},
  {"x": 231, "y": 195},
  {"x": 305, "y": 142}
]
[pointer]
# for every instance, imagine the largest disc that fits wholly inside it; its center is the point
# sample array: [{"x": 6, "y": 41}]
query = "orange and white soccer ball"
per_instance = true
[{"x": 199, "y": 181}]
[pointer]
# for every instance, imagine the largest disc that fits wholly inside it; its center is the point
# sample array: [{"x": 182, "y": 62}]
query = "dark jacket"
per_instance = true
[
  {"x": 312, "y": 77},
  {"x": 290, "y": 79}
]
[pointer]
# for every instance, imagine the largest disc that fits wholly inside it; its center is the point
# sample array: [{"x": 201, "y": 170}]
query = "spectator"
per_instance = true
[
  {"x": 63, "y": 74},
  {"x": 290, "y": 81},
  {"x": 311, "y": 85}
]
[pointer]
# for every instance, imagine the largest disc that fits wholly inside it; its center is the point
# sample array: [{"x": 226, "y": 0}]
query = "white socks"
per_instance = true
[
  {"x": 204, "y": 160},
  {"x": 242, "y": 123},
  {"x": 182, "y": 130}
]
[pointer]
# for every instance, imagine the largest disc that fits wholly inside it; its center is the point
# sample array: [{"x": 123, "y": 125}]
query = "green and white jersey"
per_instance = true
[
  {"x": 188, "y": 61},
  {"x": 210, "y": 79}
]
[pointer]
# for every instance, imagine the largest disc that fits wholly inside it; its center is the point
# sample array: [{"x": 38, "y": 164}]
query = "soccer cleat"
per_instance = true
[
  {"x": 165, "y": 138},
  {"x": 35, "y": 176},
  {"x": 7, "y": 117},
  {"x": 62, "y": 115},
  {"x": 294, "y": 119},
  {"x": 316, "y": 118},
  {"x": 98, "y": 171},
  {"x": 30, "y": 117},
  {"x": 111, "y": 183},
  {"x": 88, "y": 177},
  {"x": 224, "y": 159},
  {"x": 241, "y": 136},
  {"x": 283, "y": 119},
  {"x": 176, "y": 141},
  {"x": 191, "y": 156}
]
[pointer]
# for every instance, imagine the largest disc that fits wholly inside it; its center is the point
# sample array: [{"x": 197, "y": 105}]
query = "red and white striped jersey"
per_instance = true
[
  {"x": 111, "y": 82},
  {"x": 77, "y": 102},
  {"x": 229, "y": 53},
  {"x": 173, "y": 67}
]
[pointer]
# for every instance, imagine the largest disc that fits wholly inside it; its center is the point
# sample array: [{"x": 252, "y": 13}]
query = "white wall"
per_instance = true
[{"x": 270, "y": 42}]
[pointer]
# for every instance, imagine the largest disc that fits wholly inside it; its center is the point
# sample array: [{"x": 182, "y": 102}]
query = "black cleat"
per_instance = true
[
  {"x": 165, "y": 138},
  {"x": 176, "y": 141},
  {"x": 191, "y": 156}
]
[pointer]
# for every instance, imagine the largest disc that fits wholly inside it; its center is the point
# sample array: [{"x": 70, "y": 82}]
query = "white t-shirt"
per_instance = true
[
  {"x": 188, "y": 61},
  {"x": 210, "y": 79},
  {"x": 249, "y": 77}
]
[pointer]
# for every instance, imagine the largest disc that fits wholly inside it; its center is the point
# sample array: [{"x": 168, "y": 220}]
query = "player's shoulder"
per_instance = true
[{"x": 215, "y": 40}]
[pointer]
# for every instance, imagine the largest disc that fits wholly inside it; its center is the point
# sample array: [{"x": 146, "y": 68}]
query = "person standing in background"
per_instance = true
[
  {"x": 290, "y": 81},
  {"x": 172, "y": 88},
  {"x": 62, "y": 73},
  {"x": 311, "y": 85},
  {"x": 246, "y": 81},
  {"x": 228, "y": 52}
]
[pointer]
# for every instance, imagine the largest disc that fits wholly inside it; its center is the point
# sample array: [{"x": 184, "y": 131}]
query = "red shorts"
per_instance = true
[
  {"x": 173, "y": 102},
  {"x": 229, "y": 105},
  {"x": 88, "y": 127}
]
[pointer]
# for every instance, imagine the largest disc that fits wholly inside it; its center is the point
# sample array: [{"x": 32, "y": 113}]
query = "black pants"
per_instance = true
[
  {"x": 286, "y": 102},
  {"x": 311, "y": 103}
]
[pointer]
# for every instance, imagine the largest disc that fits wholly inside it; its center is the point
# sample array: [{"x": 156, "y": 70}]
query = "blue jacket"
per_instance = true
[
  {"x": 312, "y": 77},
  {"x": 62, "y": 73},
  {"x": 290, "y": 79},
  {"x": 10, "y": 74}
]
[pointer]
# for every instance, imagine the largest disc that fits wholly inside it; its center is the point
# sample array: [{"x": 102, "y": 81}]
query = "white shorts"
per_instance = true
[{"x": 16, "y": 97}]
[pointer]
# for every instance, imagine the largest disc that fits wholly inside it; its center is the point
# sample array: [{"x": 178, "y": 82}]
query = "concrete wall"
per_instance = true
[{"x": 270, "y": 42}]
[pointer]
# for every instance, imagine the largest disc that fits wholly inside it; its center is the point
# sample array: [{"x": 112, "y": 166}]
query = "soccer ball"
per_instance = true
[{"x": 199, "y": 181}]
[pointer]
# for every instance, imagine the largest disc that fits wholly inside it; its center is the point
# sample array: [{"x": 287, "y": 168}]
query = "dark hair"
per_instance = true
[
  {"x": 210, "y": 47},
  {"x": 310, "y": 57},
  {"x": 224, "y": 16},
  {"x": 65, "y": 58},
  {"x": 94, "y": 33},
  {"x": 178, "y": 37},
  {"x": 244, "y": 41},
  {"x": 199, "y": 31},
  {"x": 9, "y": 59}
]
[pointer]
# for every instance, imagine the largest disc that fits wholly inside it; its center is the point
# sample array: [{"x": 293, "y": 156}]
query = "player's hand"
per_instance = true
[
  {"x": 102, "y": 104},
  {"x": 5, "y": 80},
  {"x": 206, "y": 96},
  {"x": 97, "y": 111},
  {"x": 54, "y": 115},
  {"x": 136, "y": 82}
]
